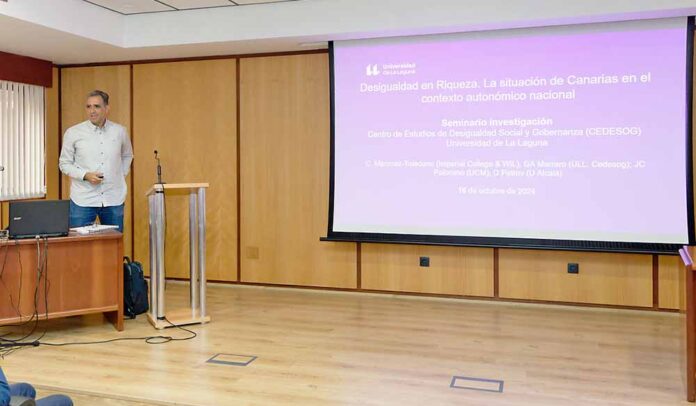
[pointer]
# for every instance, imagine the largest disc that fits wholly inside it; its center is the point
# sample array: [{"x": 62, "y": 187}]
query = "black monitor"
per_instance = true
[{"x": 43, "y": 218}]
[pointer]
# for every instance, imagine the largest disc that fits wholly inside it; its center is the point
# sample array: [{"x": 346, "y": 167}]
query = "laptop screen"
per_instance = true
[{"x": 44, "y": 218}]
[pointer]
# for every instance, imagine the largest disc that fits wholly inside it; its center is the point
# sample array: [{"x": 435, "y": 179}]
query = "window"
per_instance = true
[{"x": 22, "y": 143}]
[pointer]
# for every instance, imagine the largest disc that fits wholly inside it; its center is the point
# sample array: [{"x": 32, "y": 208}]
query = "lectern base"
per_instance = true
[{"x": 183, "y": 317}]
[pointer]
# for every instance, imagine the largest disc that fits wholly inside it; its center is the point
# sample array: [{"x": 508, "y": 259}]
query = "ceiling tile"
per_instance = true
[
  {"x": 151, "y": 6},
  {"x": 189, "y": 4},
  {"x": 131, "y": 6}
]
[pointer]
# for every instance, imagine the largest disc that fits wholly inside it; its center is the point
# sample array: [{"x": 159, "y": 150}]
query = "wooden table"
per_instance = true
[
  {"x": 84, "y": 275},
  {"x": 687, "y": 253}
]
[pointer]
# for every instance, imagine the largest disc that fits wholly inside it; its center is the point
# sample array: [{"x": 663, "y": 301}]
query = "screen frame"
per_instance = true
[{"x": 524, "y": 243}]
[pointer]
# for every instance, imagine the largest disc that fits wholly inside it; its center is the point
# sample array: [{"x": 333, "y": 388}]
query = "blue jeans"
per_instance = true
[
  {"x": 84, "y": 216},
  {"x": 28, "y": 391}
]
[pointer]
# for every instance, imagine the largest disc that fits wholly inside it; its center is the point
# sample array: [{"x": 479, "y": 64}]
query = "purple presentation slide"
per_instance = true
[{"x": 570, "y": 132}]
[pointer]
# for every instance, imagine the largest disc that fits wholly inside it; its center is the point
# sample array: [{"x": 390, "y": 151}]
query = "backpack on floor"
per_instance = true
[{"x": 134, "y": 289}]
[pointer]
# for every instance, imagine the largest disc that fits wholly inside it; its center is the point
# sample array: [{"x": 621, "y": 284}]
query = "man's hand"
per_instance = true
[{"x": 94, "y": 178}]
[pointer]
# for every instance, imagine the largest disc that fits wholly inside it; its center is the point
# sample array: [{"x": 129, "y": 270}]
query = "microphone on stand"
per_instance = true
[{"x": 159, "y": 169}]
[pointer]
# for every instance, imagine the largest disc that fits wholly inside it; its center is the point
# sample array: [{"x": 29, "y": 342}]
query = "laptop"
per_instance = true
[{"x": 43, "y": 218}]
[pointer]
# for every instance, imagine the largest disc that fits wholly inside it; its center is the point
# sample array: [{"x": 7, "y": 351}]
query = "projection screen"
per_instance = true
[{"x": 564, "y": 137}]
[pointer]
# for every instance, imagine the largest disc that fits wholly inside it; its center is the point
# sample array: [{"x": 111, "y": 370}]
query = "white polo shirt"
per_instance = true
[{"x": 88, "y": 148}]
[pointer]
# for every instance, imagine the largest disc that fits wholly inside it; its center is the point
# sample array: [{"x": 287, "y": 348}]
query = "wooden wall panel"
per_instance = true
[
  {"x": 187, "y": 111},
  {"x": 285, "y": 175},
  {"x": 53, "y": 135},
  {"x": 614, "y": 279},
  {"x": 76, "y": 83},
  {"x": 452, "y": 270},
  {"x": 672, "y": 283}
]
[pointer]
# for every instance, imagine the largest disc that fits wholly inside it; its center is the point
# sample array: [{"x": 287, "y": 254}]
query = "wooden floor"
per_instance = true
[{"x": 335, "y": 348}]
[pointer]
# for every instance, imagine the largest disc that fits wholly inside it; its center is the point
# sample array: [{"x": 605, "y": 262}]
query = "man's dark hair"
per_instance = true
[{"x": 103, "y": 95}]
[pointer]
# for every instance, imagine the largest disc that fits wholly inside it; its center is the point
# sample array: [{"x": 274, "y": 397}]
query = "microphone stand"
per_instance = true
[{"x": 159, "y": 170}]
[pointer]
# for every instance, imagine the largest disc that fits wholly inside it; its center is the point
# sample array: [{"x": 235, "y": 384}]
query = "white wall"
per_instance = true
[{"x": 73, "y": 31}]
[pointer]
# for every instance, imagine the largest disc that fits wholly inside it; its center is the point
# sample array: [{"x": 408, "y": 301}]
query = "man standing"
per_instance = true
[{"x": 97, "y": 155}]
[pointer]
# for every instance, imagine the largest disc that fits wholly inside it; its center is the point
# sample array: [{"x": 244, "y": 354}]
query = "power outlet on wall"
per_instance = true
[
  {"x": 573, "y": 267},
  {"x": 425, "y": 261}
]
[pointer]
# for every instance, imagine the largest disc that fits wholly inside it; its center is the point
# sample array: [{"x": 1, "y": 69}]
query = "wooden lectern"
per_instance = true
[{"x": 197, "y": 312}]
